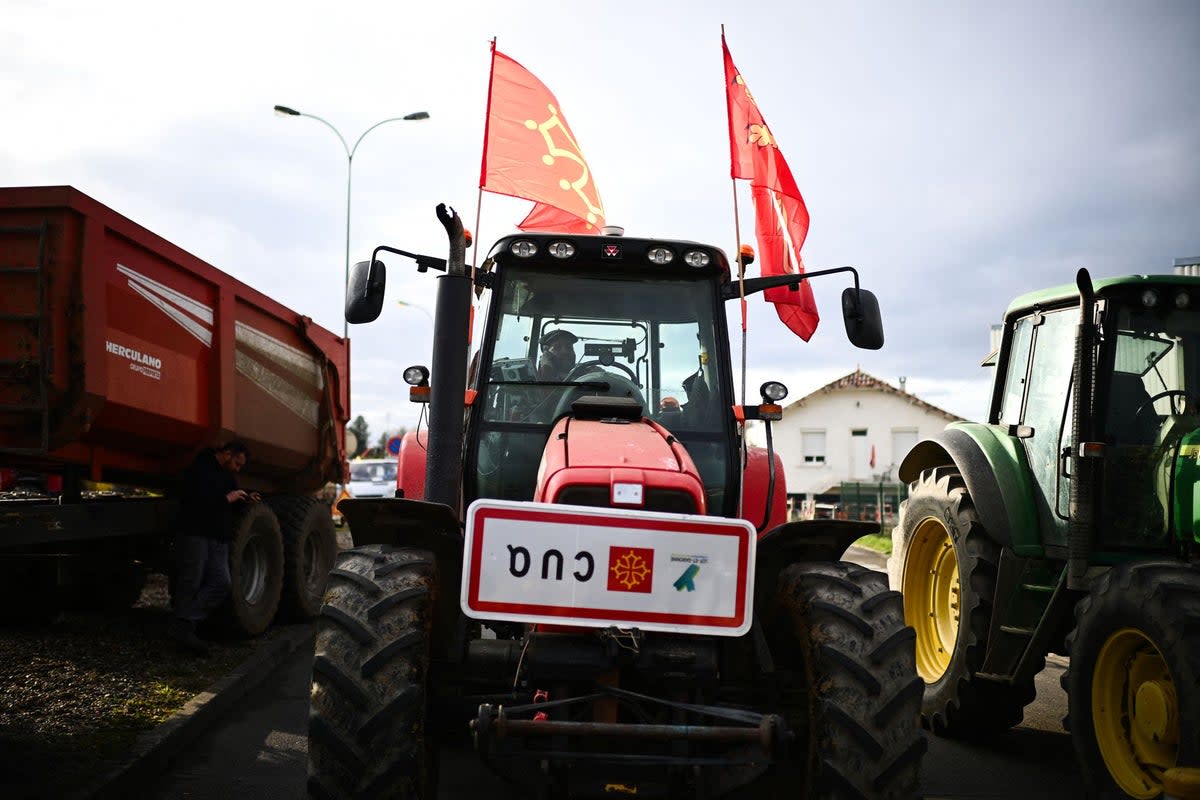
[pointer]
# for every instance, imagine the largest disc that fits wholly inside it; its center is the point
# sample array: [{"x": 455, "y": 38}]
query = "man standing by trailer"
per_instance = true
[{"x": 208, "y": 493}]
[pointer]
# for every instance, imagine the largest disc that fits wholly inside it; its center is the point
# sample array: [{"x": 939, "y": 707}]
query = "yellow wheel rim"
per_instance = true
[
  {"x": 931, "y": 596},
  {"x": 1135, "y": 712}
]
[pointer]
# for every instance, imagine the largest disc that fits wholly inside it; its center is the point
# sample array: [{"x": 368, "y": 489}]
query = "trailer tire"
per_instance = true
[
  {"x": 255, "y": 571},
  {"x": 309, "y": 550},
  {"x": 854, "y": 698},
  {"x": 1133, "y": 682},
  {"x": 368, "y": 713},
  {"x": 947, "y": 567}
]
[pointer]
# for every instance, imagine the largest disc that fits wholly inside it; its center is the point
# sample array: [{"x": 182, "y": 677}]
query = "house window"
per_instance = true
[
  {"x": 812, "y": 446},
  {"x": 903, "y": 440}
]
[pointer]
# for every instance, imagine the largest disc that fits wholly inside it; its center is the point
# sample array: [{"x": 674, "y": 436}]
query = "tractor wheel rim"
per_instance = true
[
  {"x": 931, "y": 597},
  {"x": 1135, "y": 712},
  {"x": 254, "y": 570}
]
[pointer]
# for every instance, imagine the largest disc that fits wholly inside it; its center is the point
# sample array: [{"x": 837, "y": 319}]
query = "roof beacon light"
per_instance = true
[
  {"x": 660, "y": 255},
  {"x": 561, "y": 249},
  {"x": 1150, "y": 298},
  {"x": 523, "y": 248},
  {"x": 696, "y": 258},
  {"x": 612, "y": 230}
]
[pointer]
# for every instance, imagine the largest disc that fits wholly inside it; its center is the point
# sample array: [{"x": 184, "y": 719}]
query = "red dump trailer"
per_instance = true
[{"x": 121, "y": 356}]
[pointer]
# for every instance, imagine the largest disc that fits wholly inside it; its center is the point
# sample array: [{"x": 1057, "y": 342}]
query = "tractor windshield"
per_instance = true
[
  {"x": 559, "y": 336},
  {"x": 1153, "y": 401},
  {"x": 1155, "y": 373}
]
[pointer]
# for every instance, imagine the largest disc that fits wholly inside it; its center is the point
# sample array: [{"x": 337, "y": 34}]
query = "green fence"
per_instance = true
[{"x": 864, "y": 500}]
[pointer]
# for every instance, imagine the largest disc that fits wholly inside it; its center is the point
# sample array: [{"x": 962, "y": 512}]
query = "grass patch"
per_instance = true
[{"x": 879, "y": 542}]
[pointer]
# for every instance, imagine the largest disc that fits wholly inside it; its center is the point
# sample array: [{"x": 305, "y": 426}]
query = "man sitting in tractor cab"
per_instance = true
[{"x": 558, "y": 355}]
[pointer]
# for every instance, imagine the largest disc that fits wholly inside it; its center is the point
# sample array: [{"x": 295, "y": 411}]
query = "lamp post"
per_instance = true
[
  {"x": 285, "y": 111},
  {"x": 422, "y": 309}
]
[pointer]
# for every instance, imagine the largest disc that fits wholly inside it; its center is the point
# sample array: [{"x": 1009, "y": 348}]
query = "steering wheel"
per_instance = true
[
  {"x": 618, "y": 386},
  {"x": 1187, "y": 401},
  {"x": 585, "y": 367}
]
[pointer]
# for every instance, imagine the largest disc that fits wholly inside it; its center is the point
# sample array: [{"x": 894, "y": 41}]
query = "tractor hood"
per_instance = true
[{"x": 620, "y": 461}]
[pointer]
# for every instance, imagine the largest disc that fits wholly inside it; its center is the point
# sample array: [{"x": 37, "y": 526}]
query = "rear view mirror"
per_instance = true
[
  {"x": 364, "y": 293},
  {"x": 860, "y": 310}
]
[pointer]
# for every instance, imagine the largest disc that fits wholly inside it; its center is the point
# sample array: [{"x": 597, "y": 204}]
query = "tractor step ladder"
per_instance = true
[{"x": 1034, "y": 606}]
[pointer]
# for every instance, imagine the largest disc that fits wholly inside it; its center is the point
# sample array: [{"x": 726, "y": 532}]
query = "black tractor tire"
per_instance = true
[
  {"x": 367, "y": 733},
  {"x": 947, "y": 567},
  {"x": 309, "y": 550},
  {"x": 255, "y": 571},
  {"x": 853, "y": 698},
  {"x": 1133, "y": 682}
]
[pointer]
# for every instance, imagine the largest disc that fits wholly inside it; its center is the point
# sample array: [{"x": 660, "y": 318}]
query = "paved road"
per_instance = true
[{"x": 260, "y": 751}]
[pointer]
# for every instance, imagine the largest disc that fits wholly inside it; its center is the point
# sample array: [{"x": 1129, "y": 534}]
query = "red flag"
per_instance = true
[
  {"x": 780, "y": 216},
  {"x": 530, "y": 152}
]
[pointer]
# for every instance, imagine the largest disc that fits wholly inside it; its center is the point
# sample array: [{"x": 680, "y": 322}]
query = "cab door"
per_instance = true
[{"x": 1043, "y": 428}]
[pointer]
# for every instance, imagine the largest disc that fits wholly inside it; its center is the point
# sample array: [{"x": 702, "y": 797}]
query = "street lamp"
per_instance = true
[
  {"x": 422, "y": 309},
  {"x": 284, "y": 111}
]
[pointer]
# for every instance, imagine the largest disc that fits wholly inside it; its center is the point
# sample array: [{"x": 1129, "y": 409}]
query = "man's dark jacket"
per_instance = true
[{"x": 203, "y": 509}]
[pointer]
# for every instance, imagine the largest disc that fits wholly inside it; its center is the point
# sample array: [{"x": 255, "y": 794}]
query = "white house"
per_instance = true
[{"x": 855, "y": 429}]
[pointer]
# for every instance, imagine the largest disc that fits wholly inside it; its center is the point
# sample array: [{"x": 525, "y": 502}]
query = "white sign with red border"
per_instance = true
[{"x": 602, "y": 567}]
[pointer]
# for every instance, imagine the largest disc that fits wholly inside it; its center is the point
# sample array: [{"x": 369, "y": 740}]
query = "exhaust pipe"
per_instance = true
[
  {"x": 1083, "y": 482},
  {"x": 448, "y": 377}
]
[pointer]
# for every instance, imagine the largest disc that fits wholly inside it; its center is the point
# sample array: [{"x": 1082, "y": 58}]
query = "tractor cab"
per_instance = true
[{"x": 571, "y": 318}]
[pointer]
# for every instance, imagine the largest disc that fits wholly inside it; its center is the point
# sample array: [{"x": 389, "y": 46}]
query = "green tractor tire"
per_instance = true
[
  {"x": 369, "y": 707},
  {"x": 947, "y": 574},
  {"x": 1133, "y": 684}
]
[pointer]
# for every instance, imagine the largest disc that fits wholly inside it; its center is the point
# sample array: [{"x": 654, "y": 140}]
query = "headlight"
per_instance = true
[
  {"x": 1182, "y": 300},
  {"x": 696, "y": 258},
  {"x": 561, "y": 249},
  {"x": 660, "y": 255},
  {"x": 416, "y": 376},
  {"x": 773, "y": 391},
  {"x": 523, "y": 248},
  {"x": 1150, "y": 298}
]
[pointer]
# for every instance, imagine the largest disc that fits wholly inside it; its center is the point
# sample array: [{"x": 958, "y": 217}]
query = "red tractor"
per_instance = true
[{"x": 596, "y": 579}]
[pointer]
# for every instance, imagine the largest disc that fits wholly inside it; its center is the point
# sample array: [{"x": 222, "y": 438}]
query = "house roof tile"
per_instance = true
[{"x": 859, "y": 380}]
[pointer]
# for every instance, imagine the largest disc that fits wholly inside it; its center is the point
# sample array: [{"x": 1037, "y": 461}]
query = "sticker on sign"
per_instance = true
[{"x": 600, "y": 567}]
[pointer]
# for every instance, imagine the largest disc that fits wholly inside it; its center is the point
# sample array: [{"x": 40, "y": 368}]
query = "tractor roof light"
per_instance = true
[
  {"x": 523, "y": 248},
  {"x": 697, "y": 258},
  {"x": 746, "y": 253},
  {"x": 773, "y": 391},
  {"x": 561, "y": 249},
  {"x": 1182, "y": 300},
  {"x": 660, "y": 255},
  {"x": 416, "y": 375},
  {"x": 1150, "y": 298}
]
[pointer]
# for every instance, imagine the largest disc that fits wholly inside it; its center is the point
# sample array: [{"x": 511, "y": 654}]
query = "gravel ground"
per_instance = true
[{"x": 76, "y": 694}]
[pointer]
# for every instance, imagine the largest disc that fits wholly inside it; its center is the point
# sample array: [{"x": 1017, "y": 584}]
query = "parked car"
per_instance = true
[{"x": 372, "y": 477}]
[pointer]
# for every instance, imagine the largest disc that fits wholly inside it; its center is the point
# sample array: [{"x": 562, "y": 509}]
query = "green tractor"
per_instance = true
[{"x": 1069, "y": 524}]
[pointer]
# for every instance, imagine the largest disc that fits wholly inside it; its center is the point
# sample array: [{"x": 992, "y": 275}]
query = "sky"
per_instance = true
[{"x": 957, "y": 154}]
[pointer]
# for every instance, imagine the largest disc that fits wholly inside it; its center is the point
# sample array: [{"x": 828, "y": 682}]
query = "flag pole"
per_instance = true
[
  {"x": 487, "y": 116},
  {"x": 741, "y": 264},
  {"x": 478, "y": 211}
]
